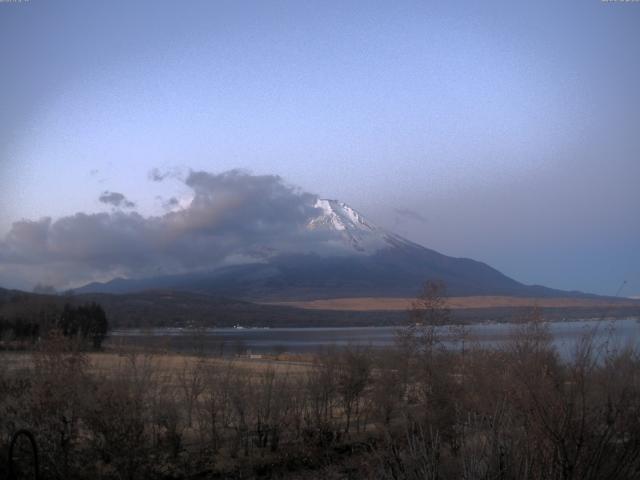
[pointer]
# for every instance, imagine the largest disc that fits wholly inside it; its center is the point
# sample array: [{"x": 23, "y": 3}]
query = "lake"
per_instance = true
[{"x": 229, "y": 341}]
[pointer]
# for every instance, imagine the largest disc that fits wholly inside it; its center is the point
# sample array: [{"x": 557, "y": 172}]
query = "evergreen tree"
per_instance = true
[{"x": 87, "y": 321}]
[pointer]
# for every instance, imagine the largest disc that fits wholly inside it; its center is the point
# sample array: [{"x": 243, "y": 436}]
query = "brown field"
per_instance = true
[
  {"x": 395, "y": 304},
  {"x": 168, "y": 363}
]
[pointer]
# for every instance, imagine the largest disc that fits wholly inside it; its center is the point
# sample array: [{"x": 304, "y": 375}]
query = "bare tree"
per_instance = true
[
  {"x": 191, "y": 382},
  {"x": 428, "y": 313},
  {"x": 354, "y": 371}
]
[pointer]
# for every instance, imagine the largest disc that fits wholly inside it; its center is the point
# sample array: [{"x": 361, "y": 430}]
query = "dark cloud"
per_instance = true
[
  {"x": 158, "y": 175},
  {"x": 410, "y": 214},
  {"x": 233, "y": 217},
  {"x": 116, "y": 199},
  {"x": 168, "y": 204}
]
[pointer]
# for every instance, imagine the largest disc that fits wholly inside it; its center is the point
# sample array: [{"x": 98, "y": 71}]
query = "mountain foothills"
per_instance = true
[
  {"x": 172, "y": 308},
  {"x": 367, "y": 261}
]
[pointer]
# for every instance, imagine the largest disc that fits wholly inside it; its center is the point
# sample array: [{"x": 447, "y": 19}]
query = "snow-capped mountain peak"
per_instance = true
[
  {"x": 354, "y": 229},
  {"x": 339, "y": 216}
]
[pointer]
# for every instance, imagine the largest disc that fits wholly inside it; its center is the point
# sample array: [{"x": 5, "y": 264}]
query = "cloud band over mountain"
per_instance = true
[{"x": 233, "y": 217}]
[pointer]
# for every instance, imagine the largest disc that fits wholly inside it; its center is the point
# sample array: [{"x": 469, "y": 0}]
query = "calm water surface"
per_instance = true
[{"x": 229, "y": 341}]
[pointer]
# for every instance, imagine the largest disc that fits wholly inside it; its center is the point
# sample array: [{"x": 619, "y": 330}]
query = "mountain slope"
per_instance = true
[{"x": 375, "y": 262}]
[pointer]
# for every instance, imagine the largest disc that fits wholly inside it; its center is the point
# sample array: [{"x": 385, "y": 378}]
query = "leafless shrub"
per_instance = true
[
  {"x": 215, "y": 411},
  {"x": 117, "y": 419},
  {"x": 387, "y": 394},
  {"x": 413, "y": 456},
  {"x": 55, "y": 403},
  {"x": 321, "y": 390},
  {"x": 353, "y": 376},
  {"x": 191, "y": 383}
]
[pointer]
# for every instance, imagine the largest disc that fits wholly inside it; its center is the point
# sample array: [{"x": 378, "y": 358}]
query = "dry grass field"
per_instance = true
[
  {"x": 396, "y": 304},
  {"x": 169, "y": 363}
]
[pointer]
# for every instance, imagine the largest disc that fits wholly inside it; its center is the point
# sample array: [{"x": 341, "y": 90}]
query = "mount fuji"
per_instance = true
[
  {"x": 371, "y": 262},
  {"x": 355, "y": 231}
]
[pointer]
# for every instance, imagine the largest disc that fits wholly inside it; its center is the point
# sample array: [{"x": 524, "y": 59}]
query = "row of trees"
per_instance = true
[{"x": 87, "y": 323}]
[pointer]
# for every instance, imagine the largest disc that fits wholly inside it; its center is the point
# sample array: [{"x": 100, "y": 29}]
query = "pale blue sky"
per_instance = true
[{"x": 512, "y": 128}]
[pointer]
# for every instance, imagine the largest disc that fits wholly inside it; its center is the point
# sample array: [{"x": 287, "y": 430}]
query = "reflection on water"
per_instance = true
[{"x": 618, "y": 334}]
